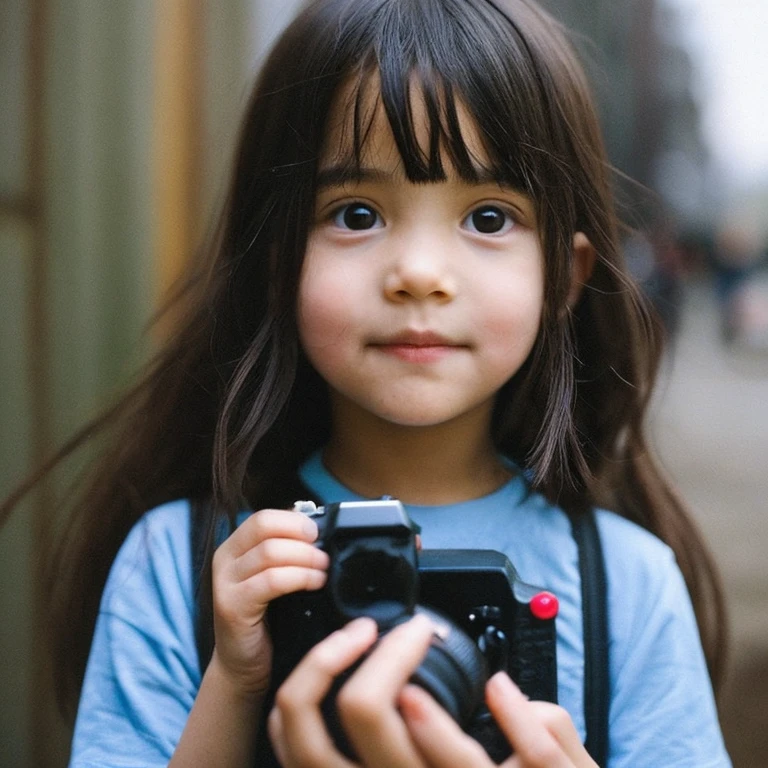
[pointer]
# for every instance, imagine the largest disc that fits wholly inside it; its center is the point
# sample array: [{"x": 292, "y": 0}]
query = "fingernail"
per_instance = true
[
  {"x": 425, "y": 622},
  {"x": 411, "y": 704},
  {"x": 317, "y": 579},
  {"x": 442, "y": 631},
  {"x": 321, "y": 559},
  {"x": 310, "y": 528},
  {"x": 503, "y": 683},
  {"x": 361, "y": 627},
  {"x": 439, "y": 629}
]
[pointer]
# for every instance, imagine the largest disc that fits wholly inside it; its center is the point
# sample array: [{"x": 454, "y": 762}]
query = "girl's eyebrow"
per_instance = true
[
  {"x": 342, "y": 174},
  {"x": 339, "y": 175}
]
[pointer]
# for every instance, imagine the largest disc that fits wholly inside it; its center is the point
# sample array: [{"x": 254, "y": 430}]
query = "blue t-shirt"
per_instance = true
[{"x": 143, "y": 672}]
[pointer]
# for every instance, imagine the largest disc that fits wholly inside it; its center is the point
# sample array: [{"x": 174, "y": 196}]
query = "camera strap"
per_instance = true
[{"x": 594, "y": 603}]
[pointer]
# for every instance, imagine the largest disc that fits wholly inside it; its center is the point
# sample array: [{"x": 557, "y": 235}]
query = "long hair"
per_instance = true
[{"x": 230, "y": 407}]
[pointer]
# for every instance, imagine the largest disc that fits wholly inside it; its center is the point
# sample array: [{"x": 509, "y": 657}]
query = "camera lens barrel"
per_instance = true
[{"x": 453, "y": 671}]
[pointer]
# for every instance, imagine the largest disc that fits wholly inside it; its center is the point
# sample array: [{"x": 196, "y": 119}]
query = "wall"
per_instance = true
[{"x": 91, "y": 93}]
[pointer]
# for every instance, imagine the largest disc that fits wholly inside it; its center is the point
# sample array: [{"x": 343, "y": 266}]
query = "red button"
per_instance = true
[{"x": 544, "y": 605}]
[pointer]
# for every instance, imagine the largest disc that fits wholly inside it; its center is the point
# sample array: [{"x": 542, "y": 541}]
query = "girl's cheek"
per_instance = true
[{"x": 321, "y": 320}]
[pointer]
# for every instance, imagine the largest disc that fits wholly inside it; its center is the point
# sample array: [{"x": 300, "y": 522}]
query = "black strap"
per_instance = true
[
  {"x": 200, "y": 525},
  {"x": 594, "y": 602}
]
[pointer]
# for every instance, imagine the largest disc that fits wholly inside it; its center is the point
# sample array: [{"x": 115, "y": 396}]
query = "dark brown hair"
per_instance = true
[{"x": 230, "y": 407}]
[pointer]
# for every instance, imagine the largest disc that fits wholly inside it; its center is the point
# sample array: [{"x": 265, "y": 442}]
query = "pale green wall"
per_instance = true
[
  {"x": 99, "y": 189},
  {"x": 15, "y": 407},
  {"x": 14, "y": 538},
  {"x": 96, "y": 232},
  {"x": 97, "y": 228}
]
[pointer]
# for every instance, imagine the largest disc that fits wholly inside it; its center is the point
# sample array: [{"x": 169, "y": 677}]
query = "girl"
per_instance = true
[{"x": 415, "y": 290}]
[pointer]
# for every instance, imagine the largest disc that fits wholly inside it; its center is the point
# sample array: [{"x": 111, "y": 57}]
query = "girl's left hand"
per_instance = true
[
  {"x": 391, "y": 723},
  {"x": 542, "y": 734}
]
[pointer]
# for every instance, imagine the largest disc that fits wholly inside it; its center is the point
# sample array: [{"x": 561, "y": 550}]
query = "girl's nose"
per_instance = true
[{"x": 419, "y": 273}]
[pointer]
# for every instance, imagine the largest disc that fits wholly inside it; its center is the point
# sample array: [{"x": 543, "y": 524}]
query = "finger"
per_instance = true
[
  {"x": 367, "y": 704},
  {"x": 274, "y": 552},
  {"x": 287, "y": 758},
  {"x": 276, "y": 736},
  {"x": 533, "y": 743},
  {"x": 269, "y": 524},
  {"x": 298, "y": 727},
  {"x": 313, "y": 675},
  {"x": 264, "y": 587},
  {"x": 244, "y": 603},
  {"x": 396, "y": 657},
  {"x": 436, "y": 735},
  {"x": 559, "y": 723},
  {"x": 321, "y": 754}
]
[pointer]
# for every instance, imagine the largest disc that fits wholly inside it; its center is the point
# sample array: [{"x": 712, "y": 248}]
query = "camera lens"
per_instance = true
[{"x": 453, "y": 671}]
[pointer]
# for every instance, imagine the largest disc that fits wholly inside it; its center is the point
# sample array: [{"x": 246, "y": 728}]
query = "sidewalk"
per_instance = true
[{"x": 711, "y": 429}]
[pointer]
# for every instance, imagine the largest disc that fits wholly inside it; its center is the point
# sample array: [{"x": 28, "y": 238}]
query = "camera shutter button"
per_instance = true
[{"x": 544, "y": 606}]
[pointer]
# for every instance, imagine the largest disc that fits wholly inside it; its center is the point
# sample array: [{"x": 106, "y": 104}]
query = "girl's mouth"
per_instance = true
[{"x": 418, "y": 346}]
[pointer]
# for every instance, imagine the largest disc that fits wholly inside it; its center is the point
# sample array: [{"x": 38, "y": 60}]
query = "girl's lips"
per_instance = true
[
  {"x": 418, "y": 347},
  {"x": 413, "y": 353}
]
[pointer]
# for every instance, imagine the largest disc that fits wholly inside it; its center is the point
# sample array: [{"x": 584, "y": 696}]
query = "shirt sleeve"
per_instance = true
[
  {"x": 143, "y": 673},
  {"x": 662, "y": 706}
]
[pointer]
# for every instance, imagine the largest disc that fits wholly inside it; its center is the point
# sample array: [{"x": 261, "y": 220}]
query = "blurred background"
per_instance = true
[{"x": 116, "y": 129}]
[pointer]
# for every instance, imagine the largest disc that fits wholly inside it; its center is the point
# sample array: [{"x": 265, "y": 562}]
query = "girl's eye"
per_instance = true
[
  {"x": 356, "y": 216},
  {"x": 489, "y": 220}
]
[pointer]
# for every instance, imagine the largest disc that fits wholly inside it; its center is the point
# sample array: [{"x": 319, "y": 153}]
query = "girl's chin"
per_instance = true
[
  {"x": 413, "y": 409},
  {"x": 428, "y": 417}
]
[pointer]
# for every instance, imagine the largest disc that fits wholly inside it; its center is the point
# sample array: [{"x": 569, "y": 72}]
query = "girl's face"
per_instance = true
[{"x": 417, "y": 301}]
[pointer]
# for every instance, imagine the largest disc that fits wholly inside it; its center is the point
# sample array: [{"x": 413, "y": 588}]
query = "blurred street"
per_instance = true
[{"x": 711, "y": 429}]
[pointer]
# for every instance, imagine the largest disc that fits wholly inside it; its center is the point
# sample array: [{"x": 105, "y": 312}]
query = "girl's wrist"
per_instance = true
[
  {"x": 235, "y": 687},
  {"x": 223, "y": 726}
]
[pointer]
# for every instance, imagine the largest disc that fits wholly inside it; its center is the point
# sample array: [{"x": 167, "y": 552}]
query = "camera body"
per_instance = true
[{"x": 496, "y": 621}]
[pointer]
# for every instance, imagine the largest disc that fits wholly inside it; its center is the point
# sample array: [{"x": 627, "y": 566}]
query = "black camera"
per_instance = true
[{"x": 496, "y": 621}]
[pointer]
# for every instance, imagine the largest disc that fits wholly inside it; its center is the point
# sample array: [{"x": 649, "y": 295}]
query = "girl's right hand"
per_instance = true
[{"x": 269, "y": 555}]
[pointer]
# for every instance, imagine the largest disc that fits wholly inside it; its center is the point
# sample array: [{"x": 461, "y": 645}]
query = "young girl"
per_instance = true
[{"x": 416, "y": 290}]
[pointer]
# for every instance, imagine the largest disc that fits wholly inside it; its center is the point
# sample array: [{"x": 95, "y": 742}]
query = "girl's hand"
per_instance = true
[
  {"x": 542, "y": 734},
  {"x": 269, "y": 555},
  {"x": 366, "y": 704},
  {"x": 391, "y": 723}
]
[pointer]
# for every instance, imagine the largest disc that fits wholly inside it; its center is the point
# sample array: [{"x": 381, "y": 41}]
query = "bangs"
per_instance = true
[{"x": 421, "y": 63}]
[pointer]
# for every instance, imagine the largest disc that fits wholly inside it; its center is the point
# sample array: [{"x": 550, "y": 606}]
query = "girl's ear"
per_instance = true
[{"x": 583, "y": 263}]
